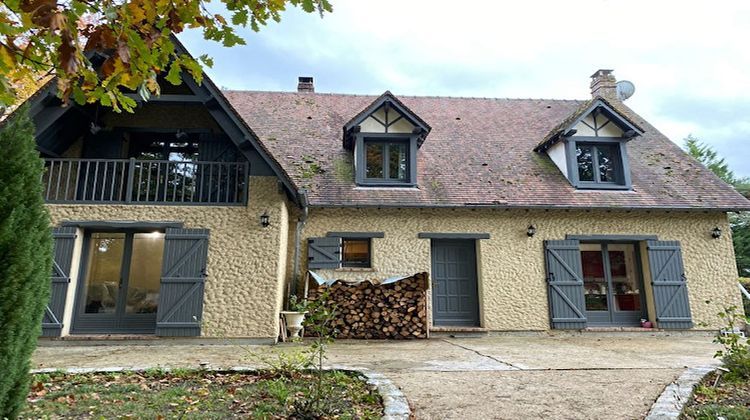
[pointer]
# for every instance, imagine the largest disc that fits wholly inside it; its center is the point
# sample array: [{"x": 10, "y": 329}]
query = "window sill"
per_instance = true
[{"x": 355, "y": 269}]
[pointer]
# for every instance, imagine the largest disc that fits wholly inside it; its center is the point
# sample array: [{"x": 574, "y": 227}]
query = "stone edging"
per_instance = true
[
  {"x": 395, "y": 405},
  {"x": 670, "y": 403}
]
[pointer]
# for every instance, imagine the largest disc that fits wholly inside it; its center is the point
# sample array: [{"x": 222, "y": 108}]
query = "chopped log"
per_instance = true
[{"x": 375, "y": 311}]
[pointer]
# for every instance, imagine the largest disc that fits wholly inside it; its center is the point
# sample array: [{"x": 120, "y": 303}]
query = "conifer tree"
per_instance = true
[{"x": 25, "y": 258}]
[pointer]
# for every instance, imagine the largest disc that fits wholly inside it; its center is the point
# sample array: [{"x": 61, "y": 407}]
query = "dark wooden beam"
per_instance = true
[{"x": 167, "y": 98}]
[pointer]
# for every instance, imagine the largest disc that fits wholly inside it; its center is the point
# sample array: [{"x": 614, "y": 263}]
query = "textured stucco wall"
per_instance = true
[
  {"x": 246, "y": 263},
  {"x": 513, "y": 293}
]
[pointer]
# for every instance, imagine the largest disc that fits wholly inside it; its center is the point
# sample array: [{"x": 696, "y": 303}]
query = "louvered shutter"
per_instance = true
[
  {"x": 62, "y": 261},
  {"x": 323, "y": 252},
  {"x": 565, "y": 284},
  {"x": 182, "y": 282},
  {"x": 669, "y": 285}
]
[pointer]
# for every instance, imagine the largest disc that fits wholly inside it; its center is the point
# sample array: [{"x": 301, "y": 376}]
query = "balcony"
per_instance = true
[{"x": 132, "y": 181}]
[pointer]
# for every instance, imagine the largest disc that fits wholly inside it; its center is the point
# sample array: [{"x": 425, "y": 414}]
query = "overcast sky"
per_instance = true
[{"x": 689, "y": 60}]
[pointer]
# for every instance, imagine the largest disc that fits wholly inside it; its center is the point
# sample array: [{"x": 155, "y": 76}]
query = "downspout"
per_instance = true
[{"x": 292, "y": 286}]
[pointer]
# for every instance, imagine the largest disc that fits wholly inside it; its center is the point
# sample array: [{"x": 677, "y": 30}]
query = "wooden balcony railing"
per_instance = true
[{"x": 126, "y": 181}]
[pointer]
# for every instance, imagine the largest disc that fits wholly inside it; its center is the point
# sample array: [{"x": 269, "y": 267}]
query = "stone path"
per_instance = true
[{"x": 510, "y": 376}]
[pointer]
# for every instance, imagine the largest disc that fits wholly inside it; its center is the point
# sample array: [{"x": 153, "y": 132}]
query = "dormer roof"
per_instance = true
[
  {"x": 387, "y": 100},
  {"x": 629, "y": 128}
]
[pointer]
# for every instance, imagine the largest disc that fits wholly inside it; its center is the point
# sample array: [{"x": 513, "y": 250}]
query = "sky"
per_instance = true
[{"x": 689, "y": 60}]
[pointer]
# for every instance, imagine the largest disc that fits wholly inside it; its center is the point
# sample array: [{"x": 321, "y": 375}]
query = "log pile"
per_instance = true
[{"x": 373, "y": 311}]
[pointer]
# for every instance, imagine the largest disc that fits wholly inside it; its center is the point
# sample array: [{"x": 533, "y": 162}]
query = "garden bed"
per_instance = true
[
  {"x": 729, "y": 399},
  {"x": 159, "y": 394}
]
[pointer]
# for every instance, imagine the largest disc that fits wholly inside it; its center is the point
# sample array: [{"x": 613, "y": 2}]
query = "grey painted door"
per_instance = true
[{"x": 455, "y": 297}]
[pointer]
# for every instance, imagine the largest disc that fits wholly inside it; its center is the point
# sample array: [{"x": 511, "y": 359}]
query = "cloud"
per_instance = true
[{"x": 688, "y": 59}]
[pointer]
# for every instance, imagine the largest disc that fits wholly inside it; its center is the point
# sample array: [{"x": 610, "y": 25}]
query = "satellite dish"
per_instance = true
[{"x": 625, "y": 89}]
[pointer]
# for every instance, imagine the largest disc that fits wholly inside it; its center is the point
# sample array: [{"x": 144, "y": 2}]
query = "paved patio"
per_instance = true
[{"x": 507, "y": 376}]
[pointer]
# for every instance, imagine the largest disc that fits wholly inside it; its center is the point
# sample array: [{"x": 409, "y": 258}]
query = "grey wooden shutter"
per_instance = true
[
  {"x": 669, "y": 285},
  {"x": 182, "y": 282},
  {"x": 62, "y": 261},
  {"x": 565, "y": 284},
  {"x": 323, "y": 252}
]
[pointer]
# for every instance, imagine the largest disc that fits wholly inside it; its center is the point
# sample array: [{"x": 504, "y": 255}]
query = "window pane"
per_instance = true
[
  {"x": 625, "y": 287},
  {"x": 397, "y": 166},
  {"x": 145, "y": 273},
  {"x": 608, "y": 158},
  {"x": 356, "y": 253},
  {"x": 374, "y": 160},
  {"x": 594, "y": 282},
  {"x": 585, "y": 163},
  {"x": 103, "y": 273}
]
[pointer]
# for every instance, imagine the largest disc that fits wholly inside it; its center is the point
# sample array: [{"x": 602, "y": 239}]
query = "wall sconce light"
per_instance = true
[
  {"x": 264, "y": 219},
  {"x": 716, "y": 233},
  {"x": 531, "y": 231}
]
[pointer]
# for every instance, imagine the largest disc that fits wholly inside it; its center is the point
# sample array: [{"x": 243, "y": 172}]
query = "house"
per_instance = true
[{"x": 199, "y": 214}]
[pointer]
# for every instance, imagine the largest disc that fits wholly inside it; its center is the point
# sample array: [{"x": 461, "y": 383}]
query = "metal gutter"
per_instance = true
[
  {"x": 292, "y": 285},
  {"x": 529, "y": 207}
]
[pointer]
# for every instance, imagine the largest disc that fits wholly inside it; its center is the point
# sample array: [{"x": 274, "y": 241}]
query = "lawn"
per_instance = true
[
  {"x": 729, "y": 399},
  {"x": 158, "y": 394}
]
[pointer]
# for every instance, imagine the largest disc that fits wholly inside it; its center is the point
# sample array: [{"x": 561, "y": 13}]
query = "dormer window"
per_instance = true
[
  {"x": 386, "y": 161},
  {"x": 590, "y": 147},
  {"x": 599, "y": 163},
  {"x": 385, "y": 138}
]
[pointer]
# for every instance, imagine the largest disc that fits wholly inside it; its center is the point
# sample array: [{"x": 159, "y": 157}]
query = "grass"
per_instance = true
[
  {"x": 158, "y": 394},
  {"x": 730, "y": 400}
]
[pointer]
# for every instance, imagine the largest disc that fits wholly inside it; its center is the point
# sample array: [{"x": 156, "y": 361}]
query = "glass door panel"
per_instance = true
[
  {"x": 102, "y": 283},
  {"x": 145, "y": 273},
  {"x": 594, "y": 281},
  {"x": 625, "y": 281}
]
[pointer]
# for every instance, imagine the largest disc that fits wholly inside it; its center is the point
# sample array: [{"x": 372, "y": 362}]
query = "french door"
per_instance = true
[
  {"x": 118, "y": 289},
  {"x": 612, "y": 284}
]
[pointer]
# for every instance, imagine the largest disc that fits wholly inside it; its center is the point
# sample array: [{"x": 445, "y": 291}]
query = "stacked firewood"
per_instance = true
[{"x": 366, "y": 310}]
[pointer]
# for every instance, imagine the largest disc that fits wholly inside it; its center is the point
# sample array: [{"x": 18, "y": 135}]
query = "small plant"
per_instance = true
[
  {"x": 735, "y": 353},
  {"x": 278, "y": 390},
  {"x": 285, "y": 364},
  {"x": 318, "y": 322},
  {"x": 296, "y": 304}
]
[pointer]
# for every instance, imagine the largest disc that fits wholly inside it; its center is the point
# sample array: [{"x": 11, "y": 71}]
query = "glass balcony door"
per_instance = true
[
  {"x": 118, "y": 289},
  {"x": 612, "y": 284}
]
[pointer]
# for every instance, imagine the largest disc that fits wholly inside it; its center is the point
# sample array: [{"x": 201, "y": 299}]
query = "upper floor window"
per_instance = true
[
  {"x": 590, "y": 147},
  {"x": 599, "y": 163},
  {"x": 386, "y": 161},
  {"x": 385, "y": 138}
]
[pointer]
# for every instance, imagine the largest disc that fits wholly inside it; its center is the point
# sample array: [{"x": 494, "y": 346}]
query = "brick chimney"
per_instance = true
[
  {"x": 305, "y": 84},
  {"x": 604, "y": 84}
]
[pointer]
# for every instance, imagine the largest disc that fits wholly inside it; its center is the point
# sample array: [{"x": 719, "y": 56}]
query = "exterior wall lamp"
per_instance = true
[
  {"x": 716, "y": 233},
  {"x": 531, "y": 231},
  {"x": 265, "y": 219}
]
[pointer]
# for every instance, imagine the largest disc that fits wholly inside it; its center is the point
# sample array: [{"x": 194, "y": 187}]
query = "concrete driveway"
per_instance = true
[{"x": 560, "y": 376}]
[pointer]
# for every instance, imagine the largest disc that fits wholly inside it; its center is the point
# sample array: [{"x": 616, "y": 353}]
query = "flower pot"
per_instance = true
[{"x": 294, "y": 322}]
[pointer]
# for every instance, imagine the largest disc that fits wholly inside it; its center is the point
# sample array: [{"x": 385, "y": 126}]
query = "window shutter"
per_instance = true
[
  {"x": 323, "y": 253},
  {"x": 669, "y": 285},
  {"x": 62, "y": 260},
  {"x": 565, "y": 284},
  {"x": 182, "y": 282}
]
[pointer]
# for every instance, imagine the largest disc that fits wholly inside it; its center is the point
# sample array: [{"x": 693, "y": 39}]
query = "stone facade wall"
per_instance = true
[
  {"x": 246, "y": 262},
  {"x": 512, "y": 288}
]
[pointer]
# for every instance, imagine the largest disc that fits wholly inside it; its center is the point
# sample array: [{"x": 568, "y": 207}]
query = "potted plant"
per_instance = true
[{"x": 295, "y": 316}]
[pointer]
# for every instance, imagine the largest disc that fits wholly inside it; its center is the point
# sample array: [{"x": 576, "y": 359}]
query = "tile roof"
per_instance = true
[{"x": 480, "y": 152}]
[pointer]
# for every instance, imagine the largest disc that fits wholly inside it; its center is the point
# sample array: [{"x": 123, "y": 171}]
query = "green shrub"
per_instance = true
[
  {"x": 735, "y": 353},
  {"x": 25, "y": 258}
]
